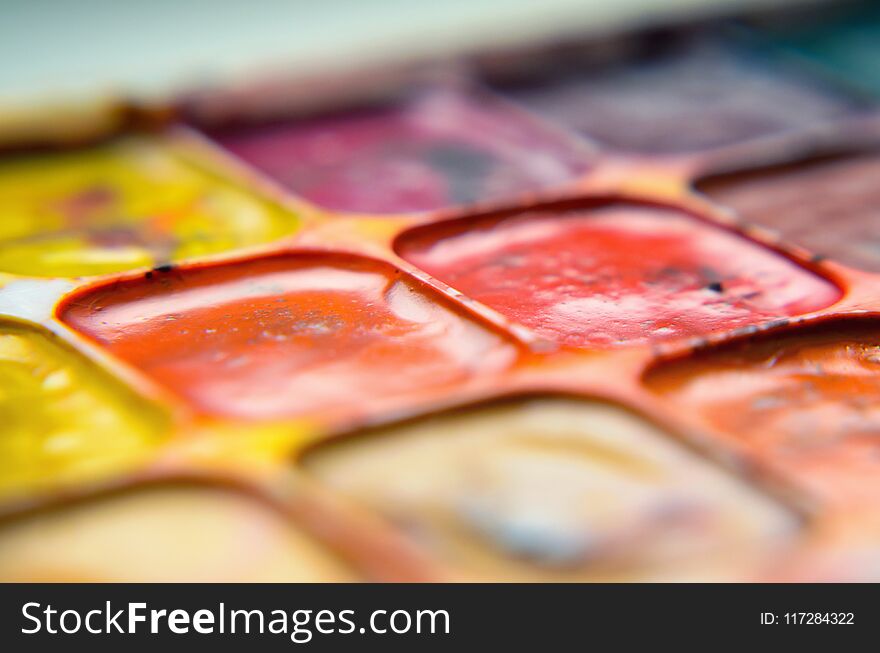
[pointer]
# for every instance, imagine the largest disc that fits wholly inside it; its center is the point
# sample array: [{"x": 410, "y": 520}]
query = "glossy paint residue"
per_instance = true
[
  {"x": 688, "y": 95},
  {"x": 617, "y": 275},
  {"x": 545, "y": 489},
  {"x": 123, "y": 205},
  {"x": 64, "y": 420},
  {"x": 806, "y": 402},
  {"x": 288, "y": 335},
  {"x": 184, "y": 534},
  {"x": 435, "y": 151},
  {"x": 829, "y": 206}
]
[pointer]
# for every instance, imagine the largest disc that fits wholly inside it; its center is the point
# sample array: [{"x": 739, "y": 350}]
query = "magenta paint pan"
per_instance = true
[{"x": 435, "y": 150}]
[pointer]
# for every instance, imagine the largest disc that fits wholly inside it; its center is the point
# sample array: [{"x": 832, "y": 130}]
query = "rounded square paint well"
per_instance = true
[
  {"x": 163, "y": 534},
  {"x": 677, "y": 95},
  {"x": 121, "y": 205},
  {"x": 804, "y": 401},
  {"x": 552, "y": 489},
  {"x": 289, "y": 335},
  {"x": 65, "y": 420},
  {"x": 615, "y": 274},
  {"x": 830, "y": 206},
  {"x": 433, "y": 151}
]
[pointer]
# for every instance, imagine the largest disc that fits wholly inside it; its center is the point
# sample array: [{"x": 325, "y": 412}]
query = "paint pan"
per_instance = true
[
  {"x": 615, "y": 274},
  {"x": 127, "y": 204},
  {"x": 830, "y": 206},
  {"x": 288, "y": 335},
  {"x": 186, "y": 533},
  {"x": 436, "y": 150},
  {"x": 65, "y": 421},
  {"x": 674, "y": 95},
  {"x": 804, "y": 402},
  {"x": 552, "y": 488}
]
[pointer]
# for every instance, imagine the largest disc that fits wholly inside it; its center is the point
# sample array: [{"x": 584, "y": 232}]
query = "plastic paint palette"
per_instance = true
[{"x": 511, "y": 325}]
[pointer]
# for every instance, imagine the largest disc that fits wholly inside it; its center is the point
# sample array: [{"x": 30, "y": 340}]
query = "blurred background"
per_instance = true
[{"x": 58, "y": 51}]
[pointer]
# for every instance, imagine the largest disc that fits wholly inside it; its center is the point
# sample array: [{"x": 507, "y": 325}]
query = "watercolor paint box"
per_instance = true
[{"x": 598, "y": 311}]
